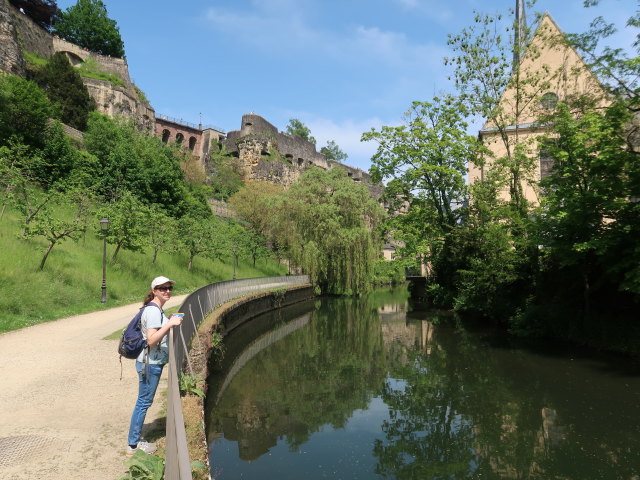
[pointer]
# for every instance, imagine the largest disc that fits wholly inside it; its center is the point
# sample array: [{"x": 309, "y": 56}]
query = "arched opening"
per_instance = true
[
  {"x": 192, "y": 143},
  {"x": 74, "y": 59},
  {"x": 549, "y": 100},
  {"x": 179, "y": 138},
  {"x": 300, "y": 162},
  {"x": 165, "y": 135}
]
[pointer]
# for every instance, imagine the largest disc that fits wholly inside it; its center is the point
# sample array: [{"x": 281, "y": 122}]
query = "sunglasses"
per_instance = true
[{"x": 165, "y": 289}]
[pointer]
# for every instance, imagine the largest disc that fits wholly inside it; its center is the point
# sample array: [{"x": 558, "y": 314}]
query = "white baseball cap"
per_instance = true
[{"x": 159, "y": 281}]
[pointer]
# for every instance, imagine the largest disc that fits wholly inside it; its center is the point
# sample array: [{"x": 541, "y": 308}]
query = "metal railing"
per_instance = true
[
  {"x": 196, "y": 307},
  {"x": 184, "y": 123}
]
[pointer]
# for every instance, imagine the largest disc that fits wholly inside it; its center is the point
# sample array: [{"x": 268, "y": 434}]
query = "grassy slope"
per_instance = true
[{"x": 72, "y": 277}]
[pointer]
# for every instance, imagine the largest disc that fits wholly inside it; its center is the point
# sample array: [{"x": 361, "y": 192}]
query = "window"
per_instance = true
[
  {"x": 165, "y": 135},
  {"x": 546, "y": 163},
  {"x": 549, "y": 100},
  {"x": 179, "y": 138},
  {"x": 192, "y": 143}
]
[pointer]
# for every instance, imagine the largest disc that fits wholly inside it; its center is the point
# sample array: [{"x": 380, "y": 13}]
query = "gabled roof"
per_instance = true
[{"x": 549, "y": 51}]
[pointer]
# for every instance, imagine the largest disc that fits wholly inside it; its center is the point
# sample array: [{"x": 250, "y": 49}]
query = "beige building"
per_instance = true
[{"x": 550, "y": 71}]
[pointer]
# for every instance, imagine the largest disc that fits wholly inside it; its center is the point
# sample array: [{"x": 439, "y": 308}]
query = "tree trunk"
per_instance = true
[
  {"x": 115, "y": 253},
  {"x": 46, "y": 254}
]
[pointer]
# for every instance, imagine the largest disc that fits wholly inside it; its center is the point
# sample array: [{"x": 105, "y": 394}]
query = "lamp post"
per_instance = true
[
  {"x": 234, "y": 248},
  {"x": 104, "y": 226}
]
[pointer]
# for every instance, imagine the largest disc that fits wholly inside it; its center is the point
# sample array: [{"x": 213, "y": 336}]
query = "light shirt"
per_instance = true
[{"x": 153, "y": 317}]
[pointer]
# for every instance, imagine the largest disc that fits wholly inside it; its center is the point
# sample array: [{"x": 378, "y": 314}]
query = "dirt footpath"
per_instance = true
[{"x": 64, "y": 412}]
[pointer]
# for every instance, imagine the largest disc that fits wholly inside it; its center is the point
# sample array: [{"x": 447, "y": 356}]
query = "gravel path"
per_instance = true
[{"x": 64, "y": 412}]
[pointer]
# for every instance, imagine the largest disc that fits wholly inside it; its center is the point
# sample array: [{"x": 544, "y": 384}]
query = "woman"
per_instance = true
[{"x": 154, "y": 326}]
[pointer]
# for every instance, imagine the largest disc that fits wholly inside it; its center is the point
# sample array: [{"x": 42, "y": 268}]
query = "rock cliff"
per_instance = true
[{"x": 19, "y": 34}]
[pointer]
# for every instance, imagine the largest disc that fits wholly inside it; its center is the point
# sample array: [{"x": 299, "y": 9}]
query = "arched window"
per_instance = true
[
  {"x": 549, "y": 100},
  {"x": 179, "y": 138},
  {"x": 165, "y": 135},
  {"x": 192, "y": 143}
]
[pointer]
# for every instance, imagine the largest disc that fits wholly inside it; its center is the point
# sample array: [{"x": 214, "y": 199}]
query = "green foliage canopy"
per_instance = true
[
  {"x": 333, "y": 152},
  {"x": 299, "y": 129},
  {"x": 24, "y": 111},
  {"x": 63, "y": 85},
  {"x": 88, "y": 25}
]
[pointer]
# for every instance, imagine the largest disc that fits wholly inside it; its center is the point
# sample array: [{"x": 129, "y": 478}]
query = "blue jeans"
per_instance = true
[{"x": 146, "y": 391}]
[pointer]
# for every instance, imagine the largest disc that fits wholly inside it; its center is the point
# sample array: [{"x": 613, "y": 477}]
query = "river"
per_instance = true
[{"x": 372, "y": 388}]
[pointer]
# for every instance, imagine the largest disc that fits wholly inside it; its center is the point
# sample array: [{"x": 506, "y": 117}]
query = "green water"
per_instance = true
[{"x": 367, "y": 389}]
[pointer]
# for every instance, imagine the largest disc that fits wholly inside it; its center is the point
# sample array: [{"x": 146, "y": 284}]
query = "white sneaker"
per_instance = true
[{"x": 146, "y": 447}]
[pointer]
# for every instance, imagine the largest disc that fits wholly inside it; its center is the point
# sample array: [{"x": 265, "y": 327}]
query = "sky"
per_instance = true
[{"x": 342, "y": 67}]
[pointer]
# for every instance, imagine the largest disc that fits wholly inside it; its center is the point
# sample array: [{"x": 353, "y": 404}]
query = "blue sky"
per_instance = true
[{"x": 340, "y": 66}]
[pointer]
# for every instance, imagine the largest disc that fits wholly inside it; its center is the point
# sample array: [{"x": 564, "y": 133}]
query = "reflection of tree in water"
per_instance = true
[
  {"x": 316, "y": 376},
  {"x": 460, "y": 405},
  {"x": 460, "y": 409},
  {"x": 443, "y": 421}
]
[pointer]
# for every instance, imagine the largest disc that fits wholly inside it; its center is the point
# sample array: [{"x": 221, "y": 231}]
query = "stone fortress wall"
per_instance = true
[
  {"x": 18, "y": 33},
  {"x": 257, "y": 138}
]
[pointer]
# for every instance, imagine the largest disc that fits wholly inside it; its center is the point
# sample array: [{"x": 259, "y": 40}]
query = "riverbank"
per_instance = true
[{"x": 64, "y": 411}]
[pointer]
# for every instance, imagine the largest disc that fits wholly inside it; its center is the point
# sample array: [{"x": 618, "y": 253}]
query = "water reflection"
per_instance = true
[{"x": 366, "y": 388}]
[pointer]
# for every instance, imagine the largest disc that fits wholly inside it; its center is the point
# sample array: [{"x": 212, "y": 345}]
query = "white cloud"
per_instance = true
[
  {"x": 285, "y": 28},
  {"x": 346, "y": 133}
]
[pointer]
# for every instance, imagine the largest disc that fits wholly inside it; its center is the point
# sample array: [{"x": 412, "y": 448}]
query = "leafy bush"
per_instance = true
[
  {"x": 143, "y": 466},
  {"x": 189, "y": 385}
]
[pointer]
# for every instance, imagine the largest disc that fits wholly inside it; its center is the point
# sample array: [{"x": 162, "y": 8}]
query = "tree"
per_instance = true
[
  {"x": 24, "y": 111},
  {"x": 87, "y": 24},
  {"x": 64, "y": 87},
  {"x": 42, "y": 12},
  {"x": 328, "y": 224},
  {"x": 225, "y": 176},
  {"x": 161, "y": 231},
  {"x": 201, "y": 236},
  {"x": 127, "y": 217},
  {"x": 589, "y": 219},
  {"x": 425, "y": 159},
  {"x": 333, "y": 152},
  {"x": 257, "y": 204},
  {"x": 299, "y": 129},
  {"x": 136, "y": 162},
  {"x": 619, "y": 72},
  {"x": 54, "y": 228},
  {"x": 495, "y": 83}
]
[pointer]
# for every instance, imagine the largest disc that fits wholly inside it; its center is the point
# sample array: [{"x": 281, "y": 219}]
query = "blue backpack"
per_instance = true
[{"x": 132, "y": 342}]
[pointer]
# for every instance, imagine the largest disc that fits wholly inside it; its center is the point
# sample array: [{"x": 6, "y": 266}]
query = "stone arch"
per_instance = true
[
  {"x": 74, "y": 59},
  {"x": 192, "y": 143},
  {"x": 165, "y": 135},
  {"x": 179, "y": 138}
]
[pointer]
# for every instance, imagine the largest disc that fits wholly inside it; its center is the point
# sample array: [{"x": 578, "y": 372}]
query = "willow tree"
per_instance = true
[{"x": 329, "y": 225}]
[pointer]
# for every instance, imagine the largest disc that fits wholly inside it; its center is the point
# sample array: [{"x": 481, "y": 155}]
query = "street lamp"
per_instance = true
[
  {"x": 234, "y": 248},
  {"x": 104, "y": 226}
]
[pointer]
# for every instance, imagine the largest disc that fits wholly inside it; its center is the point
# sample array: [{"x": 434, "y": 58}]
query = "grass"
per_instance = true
[
  {"x": 90, "y": 68},
  {"x": 34, "y": 59},
  {"x": 71, "y": 280}
]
